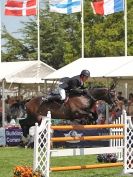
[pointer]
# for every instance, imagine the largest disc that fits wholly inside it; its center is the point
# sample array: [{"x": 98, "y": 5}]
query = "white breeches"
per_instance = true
[{"x": 62, "y": 93}]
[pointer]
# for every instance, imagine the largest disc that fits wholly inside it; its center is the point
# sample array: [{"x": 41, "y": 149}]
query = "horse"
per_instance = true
[{"x": 74, "y": 107}]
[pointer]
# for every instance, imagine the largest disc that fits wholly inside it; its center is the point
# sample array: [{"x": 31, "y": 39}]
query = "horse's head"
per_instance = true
[
  {"x": 112, "y": 94},
  {"x": 106, "y": 94},
  {"x": 111, "y": 98}
]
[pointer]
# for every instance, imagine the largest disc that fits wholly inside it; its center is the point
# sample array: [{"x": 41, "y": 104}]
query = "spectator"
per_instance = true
[
  {"x": 121, "y": 97},
  {"x": 123, "y": 101},
  {"x": 101, "y": 119},
  {"x": 130, "y": 105},
  {"x": 130, "y": 96},
  {"x": 101, "y": 111},
  {"x": 112, "y": 116},
  {"x": 101, "y": 107}
]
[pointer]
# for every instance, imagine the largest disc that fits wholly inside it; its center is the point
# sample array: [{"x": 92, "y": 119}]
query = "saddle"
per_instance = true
[{"x": 52, "y": 97}]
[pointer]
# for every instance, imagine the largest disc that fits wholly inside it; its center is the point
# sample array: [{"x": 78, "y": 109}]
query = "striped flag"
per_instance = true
[
  {"x": 65, "y": 6},
  {"x": 106, "y": 7},
  {"x": 20, "y": 7}
]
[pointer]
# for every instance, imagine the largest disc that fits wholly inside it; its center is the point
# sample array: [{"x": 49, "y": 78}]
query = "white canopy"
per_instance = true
[
  {"x": 98, "y": 67},
  {"x": 24, "y": 71}
]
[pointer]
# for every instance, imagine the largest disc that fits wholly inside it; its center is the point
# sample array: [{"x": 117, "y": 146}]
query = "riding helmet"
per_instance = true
[{"x": 85, "y": 73}]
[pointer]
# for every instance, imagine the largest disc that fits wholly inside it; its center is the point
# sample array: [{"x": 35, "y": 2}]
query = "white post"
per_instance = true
[
  {"x": 48, "y": 144},
  {"x": 3, "y": 102},
  {"x": 35, "y": 162},
  {"x": 42, "y": 146},
  {"x": 125, "y": 141},
  {"x": 128, "y": 149},
  {"x": 126, "y": 92}
]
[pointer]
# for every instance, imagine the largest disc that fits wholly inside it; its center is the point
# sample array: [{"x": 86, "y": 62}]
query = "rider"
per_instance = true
[{"x": 74, "y": 85}]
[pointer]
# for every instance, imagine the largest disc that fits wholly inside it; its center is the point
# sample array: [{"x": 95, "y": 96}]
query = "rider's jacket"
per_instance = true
[{"x": 73, "y": 84}]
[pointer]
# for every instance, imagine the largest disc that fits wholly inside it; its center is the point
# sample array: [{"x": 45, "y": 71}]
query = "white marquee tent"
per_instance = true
[
  {"x": 24, "y": 71},
  {"x": 98, "y": 67}
]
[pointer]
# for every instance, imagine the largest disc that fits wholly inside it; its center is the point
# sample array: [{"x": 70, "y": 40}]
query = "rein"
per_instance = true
[{"x": 107, "y": 97}]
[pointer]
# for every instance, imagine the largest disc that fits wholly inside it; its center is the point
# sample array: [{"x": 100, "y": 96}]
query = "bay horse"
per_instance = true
[{"x": 74, "y": 107}]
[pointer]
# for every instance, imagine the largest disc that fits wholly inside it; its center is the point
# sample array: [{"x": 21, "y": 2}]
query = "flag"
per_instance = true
[
  {"x": 65, "y": 6},
  {"x": 106, "y": 7},
  {"x": 20, "y": 7}
]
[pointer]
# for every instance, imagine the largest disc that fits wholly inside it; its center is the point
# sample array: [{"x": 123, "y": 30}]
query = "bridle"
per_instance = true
[{"x": 113, "y": 102}]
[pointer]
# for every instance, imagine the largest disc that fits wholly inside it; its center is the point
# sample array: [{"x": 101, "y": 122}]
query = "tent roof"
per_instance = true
[
  {"x": 98, "y": 67},
  {"x": 24, "y": 71}
]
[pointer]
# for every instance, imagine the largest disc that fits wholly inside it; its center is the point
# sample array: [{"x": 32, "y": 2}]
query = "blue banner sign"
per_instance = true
[
  {"x": 13, "y": 136},
  {"x": 80, "y": 133}
]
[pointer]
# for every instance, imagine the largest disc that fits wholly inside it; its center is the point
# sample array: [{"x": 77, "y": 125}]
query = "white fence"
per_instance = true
[
  {"x": 118, "y": 143},
  {"x": 42, "y": 151}
]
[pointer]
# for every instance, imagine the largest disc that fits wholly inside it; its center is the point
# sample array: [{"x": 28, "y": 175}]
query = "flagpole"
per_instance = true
[
  {"x": 38, "y": 29},
  {"x": 125, "y": 18},
  {"x": 82, "y": 22},
  {"x": 0, "y": 30}
]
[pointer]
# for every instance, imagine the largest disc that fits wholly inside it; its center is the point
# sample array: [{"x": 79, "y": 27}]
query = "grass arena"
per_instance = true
[{"x": 12, "y": 156}]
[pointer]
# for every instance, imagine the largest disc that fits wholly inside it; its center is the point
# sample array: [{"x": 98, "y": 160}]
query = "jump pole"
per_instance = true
[
  {"x": 83, "y": 167},
  {"x": 87, "y": 138},
  {"x": 82, "y": 127}
]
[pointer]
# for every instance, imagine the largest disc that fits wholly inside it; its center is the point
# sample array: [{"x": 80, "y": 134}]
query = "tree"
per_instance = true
[
  {"x": 59, "y": 38},
  {"x": 104, "y": 36},
  {"x": 130, "y": 27},
  {"x": 13, "y": 49}
]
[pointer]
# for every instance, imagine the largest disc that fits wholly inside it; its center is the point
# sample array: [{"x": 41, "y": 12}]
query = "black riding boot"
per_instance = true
[{"x": 52, "y": 98}]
